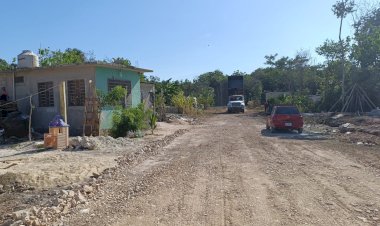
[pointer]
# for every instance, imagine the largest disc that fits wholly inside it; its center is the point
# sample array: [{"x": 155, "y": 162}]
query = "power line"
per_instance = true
[{"x": 34, "y": 94}]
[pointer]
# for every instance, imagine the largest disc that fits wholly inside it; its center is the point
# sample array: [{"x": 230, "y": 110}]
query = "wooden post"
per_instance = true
[
  {"x": 63, "y": 109},
  {"x": 30, "y": 118},
  {"x": 62, "y": 101}
]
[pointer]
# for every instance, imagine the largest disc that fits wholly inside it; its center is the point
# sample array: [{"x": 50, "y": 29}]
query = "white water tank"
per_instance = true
[{"x": 27, "y": 59}]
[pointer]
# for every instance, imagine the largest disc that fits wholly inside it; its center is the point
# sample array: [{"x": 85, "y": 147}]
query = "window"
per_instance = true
[
  {"x": 45, "y": 94},
  {"x": 76, "y": 92},
  {"x": 287, "y": 111},
  {"x": 19, "y": 79},
  {"x": 112, "y": 83}
]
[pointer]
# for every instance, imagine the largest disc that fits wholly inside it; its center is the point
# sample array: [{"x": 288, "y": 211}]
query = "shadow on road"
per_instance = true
[{"x": 286, "y": 134}]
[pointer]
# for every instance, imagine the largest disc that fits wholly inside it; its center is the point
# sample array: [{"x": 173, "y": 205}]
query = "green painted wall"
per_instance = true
[{"x": 102, "y": 75}]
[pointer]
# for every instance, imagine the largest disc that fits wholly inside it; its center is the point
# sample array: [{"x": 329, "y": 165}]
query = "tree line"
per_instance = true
[
  {"x": 48, "y": 57},
  {"x": 348, "y": 61}
]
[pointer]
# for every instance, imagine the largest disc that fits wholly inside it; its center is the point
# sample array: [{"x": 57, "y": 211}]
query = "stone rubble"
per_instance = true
[{"x": 75, "y": 197}]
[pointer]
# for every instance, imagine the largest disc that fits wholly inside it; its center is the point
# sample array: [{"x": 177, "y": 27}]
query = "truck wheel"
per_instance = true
[
  {"x": 272, "y": 129},
  {"x": 300, "y": 130},
  {"x": 267, "y": 127}
]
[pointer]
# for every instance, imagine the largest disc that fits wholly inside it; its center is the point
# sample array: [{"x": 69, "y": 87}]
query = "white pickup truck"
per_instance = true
[{"x": 236, "y": 103}]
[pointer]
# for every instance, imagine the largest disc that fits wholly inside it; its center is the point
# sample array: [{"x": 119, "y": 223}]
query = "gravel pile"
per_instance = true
[
  {"x": 93, "y": 143},
  {"x": 58, "y": 204}
]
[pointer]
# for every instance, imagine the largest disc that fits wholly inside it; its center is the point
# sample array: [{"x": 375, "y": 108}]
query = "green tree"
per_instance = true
[
  {"x": 54, "y": 58},
  {"x": 168, "y": 89},
  {"x": 366, "y": 53},
  {"x": 366, "y": 49},
  {"x": 121, "y": 60},
  {"x": 216, "y": 80},
  {"x": 114, "y": 98},
  {"x": 341, "y": 9},
  {"x": 4, "y": 65},
  {"x": 206, "y": 97}
]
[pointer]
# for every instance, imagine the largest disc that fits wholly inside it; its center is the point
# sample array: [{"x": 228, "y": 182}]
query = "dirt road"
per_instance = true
[{"x": 230, "y": 171}]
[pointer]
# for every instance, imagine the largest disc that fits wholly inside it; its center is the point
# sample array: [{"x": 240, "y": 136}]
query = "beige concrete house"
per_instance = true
[{"x": 43, "y": 83}]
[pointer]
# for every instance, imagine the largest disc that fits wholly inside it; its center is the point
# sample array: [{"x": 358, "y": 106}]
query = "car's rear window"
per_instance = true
[{"x": 287, "y": 111}]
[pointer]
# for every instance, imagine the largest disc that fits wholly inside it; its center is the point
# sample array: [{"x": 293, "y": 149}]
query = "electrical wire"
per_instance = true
[{"x": 34, "y": 94}]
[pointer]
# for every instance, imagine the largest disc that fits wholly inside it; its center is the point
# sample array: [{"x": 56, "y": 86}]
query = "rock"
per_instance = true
[
  {"x": 65, "y": 192},
  {"x": 20, "y": 215},
  {"x": 71, "y": 194},
  {"x": 75, "y": 142},
  {"x": 363, "y": 219},
  {"x": 7, "y": 223},
  {"x": 66, "y": 208},
  {"x": 88, "y": 144},
  {"x": 80, "y": 198},
  {"x": 17, "y": 223},
  {"x": 88, "y": 189},
  {"x": 85, "y": 211},
  {"x": 347, "y": 127},
  {"x": 57, "y": 202},
  {"x": 359, "y": 143},
  {"x": 375, "y": 218},
  {"x": 56, "y": 209},
  {"x": 34, "y": 210},
  {"x": 95, "y": 175},
  {"x": 36, "y": 222},
  {"x": 358, "y": 210},
  {"x": 73, "y": 203}
]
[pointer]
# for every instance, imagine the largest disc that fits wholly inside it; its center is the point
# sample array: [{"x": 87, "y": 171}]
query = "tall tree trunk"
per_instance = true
[{"x": 342, "y": 60}]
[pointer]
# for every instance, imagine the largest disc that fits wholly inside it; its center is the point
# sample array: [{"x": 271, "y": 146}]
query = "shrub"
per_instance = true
[
  {"x": 130, "y": 119},
  {"x": 113, "y": 98},
  {"x": 206, "y": 97},
  {"x": 153, "y": 122},
  {"x": 183, "y": 103},
  {"x": 303, "y": 102}
]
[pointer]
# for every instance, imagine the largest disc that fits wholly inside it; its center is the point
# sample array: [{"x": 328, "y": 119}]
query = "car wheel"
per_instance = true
[{"x": 300, "y": 130}]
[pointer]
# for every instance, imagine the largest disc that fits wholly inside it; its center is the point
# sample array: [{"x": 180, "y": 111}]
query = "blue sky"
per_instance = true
[{"x": 177, "y": 39}]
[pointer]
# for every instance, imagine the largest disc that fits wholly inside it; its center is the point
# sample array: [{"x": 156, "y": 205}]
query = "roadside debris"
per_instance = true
[
  {"x": 180, "y": 119},
  {"x": 360, "y": 130},
  {"x": 57, "y": 204}
]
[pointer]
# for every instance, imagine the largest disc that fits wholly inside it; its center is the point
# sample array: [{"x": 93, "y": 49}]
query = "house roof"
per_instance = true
[{"x": 95, "y": 64}]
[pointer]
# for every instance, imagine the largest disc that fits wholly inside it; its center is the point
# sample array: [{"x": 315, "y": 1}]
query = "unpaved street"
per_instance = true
[{"x": 230, "y": 171}]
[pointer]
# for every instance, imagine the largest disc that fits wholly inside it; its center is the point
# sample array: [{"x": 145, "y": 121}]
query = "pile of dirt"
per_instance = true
[
  {"x": 57, "y": 204},
  {"x": 93, "y": 143},
  {"x": 361, "y": 130}
]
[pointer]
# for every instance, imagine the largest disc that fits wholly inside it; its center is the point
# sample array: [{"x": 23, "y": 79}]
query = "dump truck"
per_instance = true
[{"x": 235, "y": 94}]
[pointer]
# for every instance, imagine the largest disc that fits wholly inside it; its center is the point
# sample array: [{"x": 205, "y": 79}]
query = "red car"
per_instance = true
[{"x": 285, "y": 117}]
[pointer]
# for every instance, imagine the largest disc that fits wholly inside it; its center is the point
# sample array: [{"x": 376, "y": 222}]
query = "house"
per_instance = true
[
  {"x": 147, "y": 94},
  {"x": 82, "y": 81}
]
